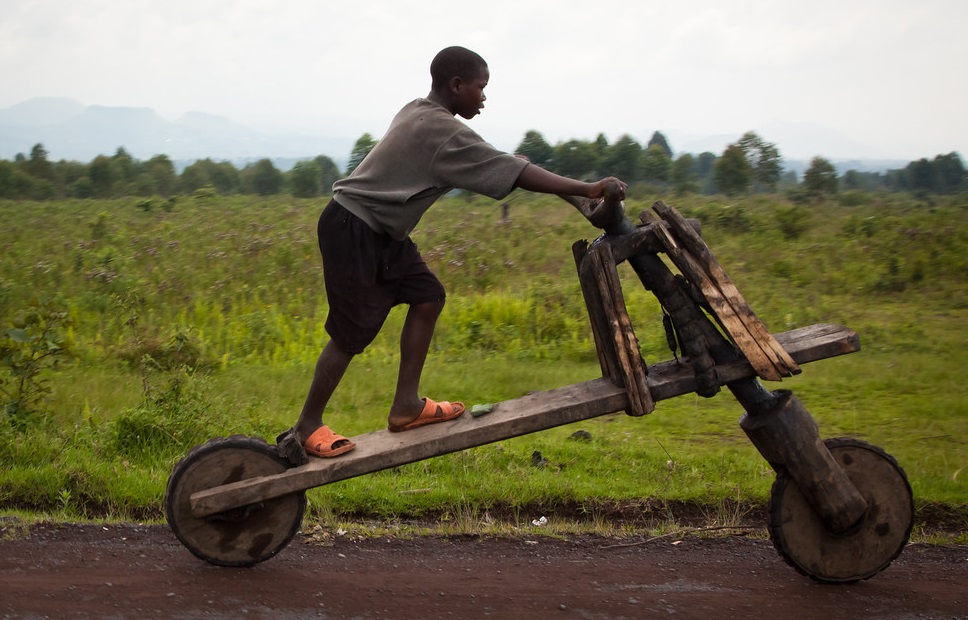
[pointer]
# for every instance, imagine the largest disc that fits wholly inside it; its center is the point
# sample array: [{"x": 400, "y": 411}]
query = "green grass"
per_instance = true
[{"x": 232, "y": 287}]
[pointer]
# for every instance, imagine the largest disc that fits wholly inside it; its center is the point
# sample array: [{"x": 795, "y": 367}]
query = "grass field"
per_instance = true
[{"x": 205, "y": 319}]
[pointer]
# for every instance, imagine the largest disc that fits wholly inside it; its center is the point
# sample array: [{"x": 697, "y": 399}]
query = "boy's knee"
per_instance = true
[{"x": 430, "y": 308}]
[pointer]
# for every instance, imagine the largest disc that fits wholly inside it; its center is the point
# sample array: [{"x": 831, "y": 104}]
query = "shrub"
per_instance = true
[
  {"x": 792, "y": 221},
  {"x": 33, "y": 345},
  {"x": 168, "y": 421}
]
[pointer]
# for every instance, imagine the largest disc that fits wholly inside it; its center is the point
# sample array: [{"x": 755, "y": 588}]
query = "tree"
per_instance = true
[
  {"x": 103, "y": 176},
  {"x": 922, "y": 175},
  {"x": 576, "y": 159},
  {"x": 81, "y": 188},
  {"x": 705, "y": 164},
  {"x": 704, "y": 169},
  {"x": 601, "y": 145},
  {"x": 820, "y": 178},
  {"x": 733, "y": 172},
  {"x": 656, "y": 164},
  {"x": 194, "y": 176},
  {"x": 38, "y": 166},
  {"x": 305, "y": 179},
  {"x": 162, "y": 172},
  {"x": 764, "y": 159},
  {"x": 682, "y": 176},
  {"x": 222, "y": 176},
  {"x": 126, "y": 166},
  {"x": 622, "y": 159},
  {"x": 7, "y": 173},
  {"x": 660, "y": 141},
  {"x": 361, "y": 149},
  {"x": 262, "y": 178},
  {"x": 14, "y": 181},
  {"x": 535, "y": 148},
  {"x": 949, "y": 173},
  {"x": 768, "y": 168},
  {"x": 853, "y": 180},
  {"x": 328, "y": 173},
  {"x": 70, "y": 171},
  {"x": 225, "y": 177}
]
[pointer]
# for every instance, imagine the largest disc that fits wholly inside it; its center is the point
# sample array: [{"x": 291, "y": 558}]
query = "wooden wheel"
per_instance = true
[
  {"x": 243, "y": 536},
  {"x": 803, "y": 540}
]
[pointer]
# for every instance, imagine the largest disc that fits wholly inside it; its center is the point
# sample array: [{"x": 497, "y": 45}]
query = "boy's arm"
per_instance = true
[{"x": 536, "y": 179}]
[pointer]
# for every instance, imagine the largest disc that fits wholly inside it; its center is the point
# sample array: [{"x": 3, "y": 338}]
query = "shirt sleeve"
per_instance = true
[{"x": 466, "y": 161}]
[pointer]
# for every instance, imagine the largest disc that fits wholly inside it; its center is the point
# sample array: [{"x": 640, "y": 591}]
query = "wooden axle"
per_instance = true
[
  {"x": 788, "y": 437},
  {"x": 531, "y": 413}
]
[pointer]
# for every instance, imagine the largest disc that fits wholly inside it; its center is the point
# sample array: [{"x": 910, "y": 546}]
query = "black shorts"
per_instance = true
[{"x": 366, "y": 274}]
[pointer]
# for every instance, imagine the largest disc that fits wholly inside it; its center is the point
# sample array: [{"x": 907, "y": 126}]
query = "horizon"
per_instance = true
[{"x": 712, "y": 143}]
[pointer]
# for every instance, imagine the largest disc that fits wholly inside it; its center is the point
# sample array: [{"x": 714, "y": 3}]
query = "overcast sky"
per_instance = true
[{"x": 887, "y": 78}]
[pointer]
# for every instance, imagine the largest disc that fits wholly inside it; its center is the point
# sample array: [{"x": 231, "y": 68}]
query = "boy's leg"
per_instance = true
[
  {"x": 330, "y": 368},
  {"x": 415, "y": 338}
]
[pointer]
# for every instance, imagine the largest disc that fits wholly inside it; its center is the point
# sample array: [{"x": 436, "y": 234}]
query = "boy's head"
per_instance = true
[
  {"x": 458, "y": 80},
  {"x": 452, "y": 62}
]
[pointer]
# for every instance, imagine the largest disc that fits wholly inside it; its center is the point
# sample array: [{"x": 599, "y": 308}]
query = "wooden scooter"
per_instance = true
[{"x": 841, "y": 510}]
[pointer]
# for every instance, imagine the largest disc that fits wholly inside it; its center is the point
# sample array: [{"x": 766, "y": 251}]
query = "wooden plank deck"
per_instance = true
[{"x": 528, "y": 414}]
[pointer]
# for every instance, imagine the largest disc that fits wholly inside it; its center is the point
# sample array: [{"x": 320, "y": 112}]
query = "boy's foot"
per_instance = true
[
  {"x": 433, "y": 412},
  {"x": 325, "y": 443},
  {"x": 289, "y": 448}
]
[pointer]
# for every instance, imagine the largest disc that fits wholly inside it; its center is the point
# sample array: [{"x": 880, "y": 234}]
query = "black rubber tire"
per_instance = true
[
  {"x": 804, "y": 542},
  {"x": 244, "y": 536}
]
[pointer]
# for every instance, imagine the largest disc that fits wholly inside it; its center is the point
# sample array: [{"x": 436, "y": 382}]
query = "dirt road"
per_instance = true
[{"x": 135, "y": 571}]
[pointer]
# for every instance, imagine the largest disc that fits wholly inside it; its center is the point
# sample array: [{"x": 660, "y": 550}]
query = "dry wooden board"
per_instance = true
[
  {"x": 603, "y": 347},
  {"x": 697, "y": 262},
  {"x": 733, "y": 316},
  {"x": 805, "y": 345},
  {"x": 535, "y": 412},
  {"x": 626, "y": 345}
]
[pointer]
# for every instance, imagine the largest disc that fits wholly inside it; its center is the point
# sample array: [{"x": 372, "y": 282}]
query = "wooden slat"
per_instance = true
[
  {"x": 643, "y": 239},
  {"x": 625, "y": 343},
  {"x": 696, "y": 261},
  {"x": 589, "y": 291},
  {"x": 534, "y": 412},
  {"x": 731, "y": 314},
  {"x": 805, "y": 345}
]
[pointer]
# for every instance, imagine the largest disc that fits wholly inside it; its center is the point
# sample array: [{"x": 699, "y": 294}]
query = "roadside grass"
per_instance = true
[{"x": 224, "y": 299}]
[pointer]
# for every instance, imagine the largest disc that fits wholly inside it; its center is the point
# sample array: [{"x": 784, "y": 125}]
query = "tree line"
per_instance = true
[{"x": 749, "y": 165}]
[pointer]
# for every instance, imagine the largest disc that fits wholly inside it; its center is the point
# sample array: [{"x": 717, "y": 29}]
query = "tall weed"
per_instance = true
[{"x": 34, "y": 346}]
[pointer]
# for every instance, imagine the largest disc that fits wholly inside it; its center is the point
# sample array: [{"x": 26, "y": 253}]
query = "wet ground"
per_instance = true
[{"x": 137, "y": 571}]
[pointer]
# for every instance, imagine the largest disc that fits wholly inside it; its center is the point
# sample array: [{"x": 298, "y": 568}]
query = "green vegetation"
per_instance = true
[
  {"x": 129, "y": 334},
  {"x": 750, "y": 164}
]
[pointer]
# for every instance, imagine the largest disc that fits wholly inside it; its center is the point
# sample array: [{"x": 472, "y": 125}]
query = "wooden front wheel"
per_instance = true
[
  {"x": 243, "y": 536},
  {"x": 805, "y": 543}
]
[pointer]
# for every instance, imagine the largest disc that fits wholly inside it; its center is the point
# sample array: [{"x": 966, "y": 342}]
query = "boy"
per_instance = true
[{"x": 369, "y": 262}]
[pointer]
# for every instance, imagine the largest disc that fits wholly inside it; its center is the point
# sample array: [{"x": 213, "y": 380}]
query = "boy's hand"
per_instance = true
[{"x": 598, "y": 189}]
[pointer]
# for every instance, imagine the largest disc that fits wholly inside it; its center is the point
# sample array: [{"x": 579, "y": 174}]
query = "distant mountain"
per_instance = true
[
  {"x": 39, "y": 112},
  {"x": 72, "y": 131}
]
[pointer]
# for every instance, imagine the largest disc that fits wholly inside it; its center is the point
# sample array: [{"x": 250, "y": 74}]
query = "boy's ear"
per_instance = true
[{"x": 455, "y": 83}]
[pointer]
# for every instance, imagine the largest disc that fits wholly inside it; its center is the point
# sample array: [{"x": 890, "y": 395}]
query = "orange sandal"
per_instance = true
[
  {"x": 322, "y": 443},
  {"x": 433, "y": 412}
]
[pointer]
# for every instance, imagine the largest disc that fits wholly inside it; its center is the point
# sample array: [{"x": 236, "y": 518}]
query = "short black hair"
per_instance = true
[{"x": 452, "y": 62}]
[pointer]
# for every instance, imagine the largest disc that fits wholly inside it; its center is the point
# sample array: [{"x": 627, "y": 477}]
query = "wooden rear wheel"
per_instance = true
[
  {"x": 804, "y": 541},
  {"x": 243, "y": 536}
]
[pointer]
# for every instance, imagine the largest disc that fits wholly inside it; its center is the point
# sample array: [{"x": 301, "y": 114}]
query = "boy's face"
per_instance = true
[{"x": 469, "y": 95}]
